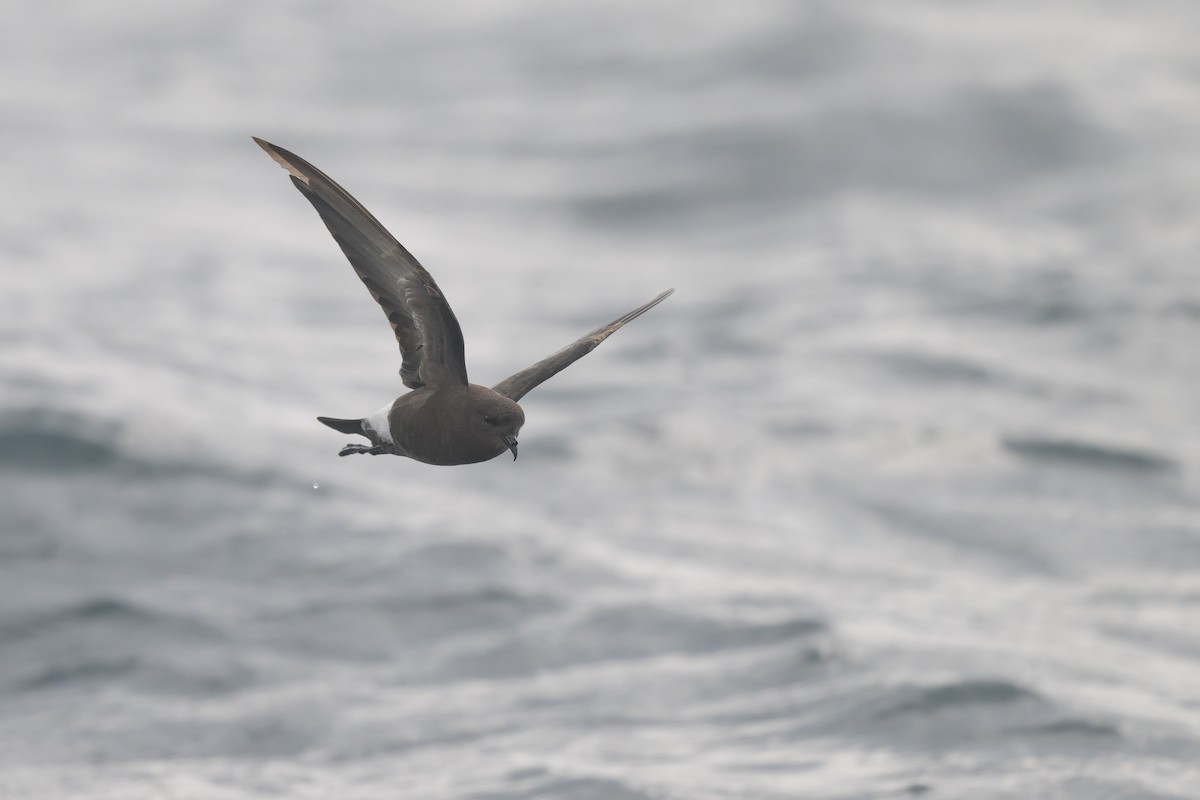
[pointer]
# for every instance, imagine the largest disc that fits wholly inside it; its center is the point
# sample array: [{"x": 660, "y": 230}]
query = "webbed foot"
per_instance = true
[{"x": 377, "y": 450}]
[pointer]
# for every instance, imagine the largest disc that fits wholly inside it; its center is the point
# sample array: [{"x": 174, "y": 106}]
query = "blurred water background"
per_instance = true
[{"x": 896, "y": 497}]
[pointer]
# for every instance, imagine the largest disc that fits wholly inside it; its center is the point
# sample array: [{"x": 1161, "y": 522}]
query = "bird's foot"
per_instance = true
[{"x": 377, "y": 450}]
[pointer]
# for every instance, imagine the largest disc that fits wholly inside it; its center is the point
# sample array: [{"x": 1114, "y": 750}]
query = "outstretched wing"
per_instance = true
[
  {"x": 517, "y": 386},
  {"x": 431, "y": 341}
]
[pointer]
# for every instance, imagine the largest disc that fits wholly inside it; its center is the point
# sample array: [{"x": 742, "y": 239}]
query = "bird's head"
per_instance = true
[{"x": 497, "y": 420}]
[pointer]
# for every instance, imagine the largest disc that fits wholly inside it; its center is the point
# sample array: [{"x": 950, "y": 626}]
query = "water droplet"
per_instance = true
[{"x": 316, "y": 486}]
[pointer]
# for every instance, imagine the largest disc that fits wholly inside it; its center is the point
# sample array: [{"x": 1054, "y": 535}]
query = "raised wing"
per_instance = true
[
  {"x": 431, "y": 342},
  {"x": 517, "y": 386}
]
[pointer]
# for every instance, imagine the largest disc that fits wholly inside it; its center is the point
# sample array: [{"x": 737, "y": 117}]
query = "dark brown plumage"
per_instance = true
[{"x": 445, "y": 419}]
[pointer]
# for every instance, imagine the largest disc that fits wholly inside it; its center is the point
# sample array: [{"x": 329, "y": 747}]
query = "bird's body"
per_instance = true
[
  {"x": 427, "y": 425},
  {"x": 445, "y": 419}
]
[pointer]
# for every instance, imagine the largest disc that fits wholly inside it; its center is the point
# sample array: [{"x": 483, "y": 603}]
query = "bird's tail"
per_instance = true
[{"x": 344, "y": 425}]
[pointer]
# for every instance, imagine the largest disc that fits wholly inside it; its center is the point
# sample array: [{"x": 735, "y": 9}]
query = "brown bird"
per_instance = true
[{"x": 445, "y": 419}]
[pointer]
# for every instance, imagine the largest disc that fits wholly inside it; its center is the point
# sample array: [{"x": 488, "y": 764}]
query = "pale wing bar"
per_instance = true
[
  {"x": 430, "y": 339},
  {"x": 517, "y": 386}
]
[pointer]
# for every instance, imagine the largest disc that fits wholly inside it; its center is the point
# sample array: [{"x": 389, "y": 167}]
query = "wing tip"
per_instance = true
[
  {"x": 280, "y": 157},
  {"x": 637, "y": 312}
]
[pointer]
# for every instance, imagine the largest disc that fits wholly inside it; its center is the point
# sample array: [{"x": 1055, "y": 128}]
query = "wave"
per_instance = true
[
  {"x": 106, "y": 612},
  {"x": 1071, "y": 728},
  {"x": 963, "y": 694},
  {"x": 1087, "y": 455},
  {"x": 37, "y": 441},
  {"x": 53, "y": 442},
  {"x": 536, "y": 782},
  {"x": 628, "y": 632},
  {"x": 80, "y": 672}
]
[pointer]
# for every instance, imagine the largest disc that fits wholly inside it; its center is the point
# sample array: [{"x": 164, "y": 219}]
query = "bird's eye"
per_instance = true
[{"x": 489, "y": 420}]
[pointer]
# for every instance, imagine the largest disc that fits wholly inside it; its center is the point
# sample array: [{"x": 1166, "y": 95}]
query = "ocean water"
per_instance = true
[{"x": 896, "y": 497}]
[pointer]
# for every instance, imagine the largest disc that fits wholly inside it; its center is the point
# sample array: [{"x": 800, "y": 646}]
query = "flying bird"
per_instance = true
[{"x": 444, "y": 419}]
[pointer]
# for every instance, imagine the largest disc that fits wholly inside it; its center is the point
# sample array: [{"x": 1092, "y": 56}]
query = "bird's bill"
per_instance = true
[{"x": 510, "y": 442}]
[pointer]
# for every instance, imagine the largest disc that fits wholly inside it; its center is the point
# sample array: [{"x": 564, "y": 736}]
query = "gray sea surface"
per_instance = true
[{"x": 897, "y": 496}]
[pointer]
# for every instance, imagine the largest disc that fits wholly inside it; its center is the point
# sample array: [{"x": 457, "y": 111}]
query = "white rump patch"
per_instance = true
[{"x": 378, "y": 422}]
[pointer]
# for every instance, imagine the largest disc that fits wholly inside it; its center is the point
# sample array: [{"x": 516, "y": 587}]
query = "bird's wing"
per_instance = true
[
  {"x": 517, "y": 386},
  {"x": 431, "y": 342}
]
